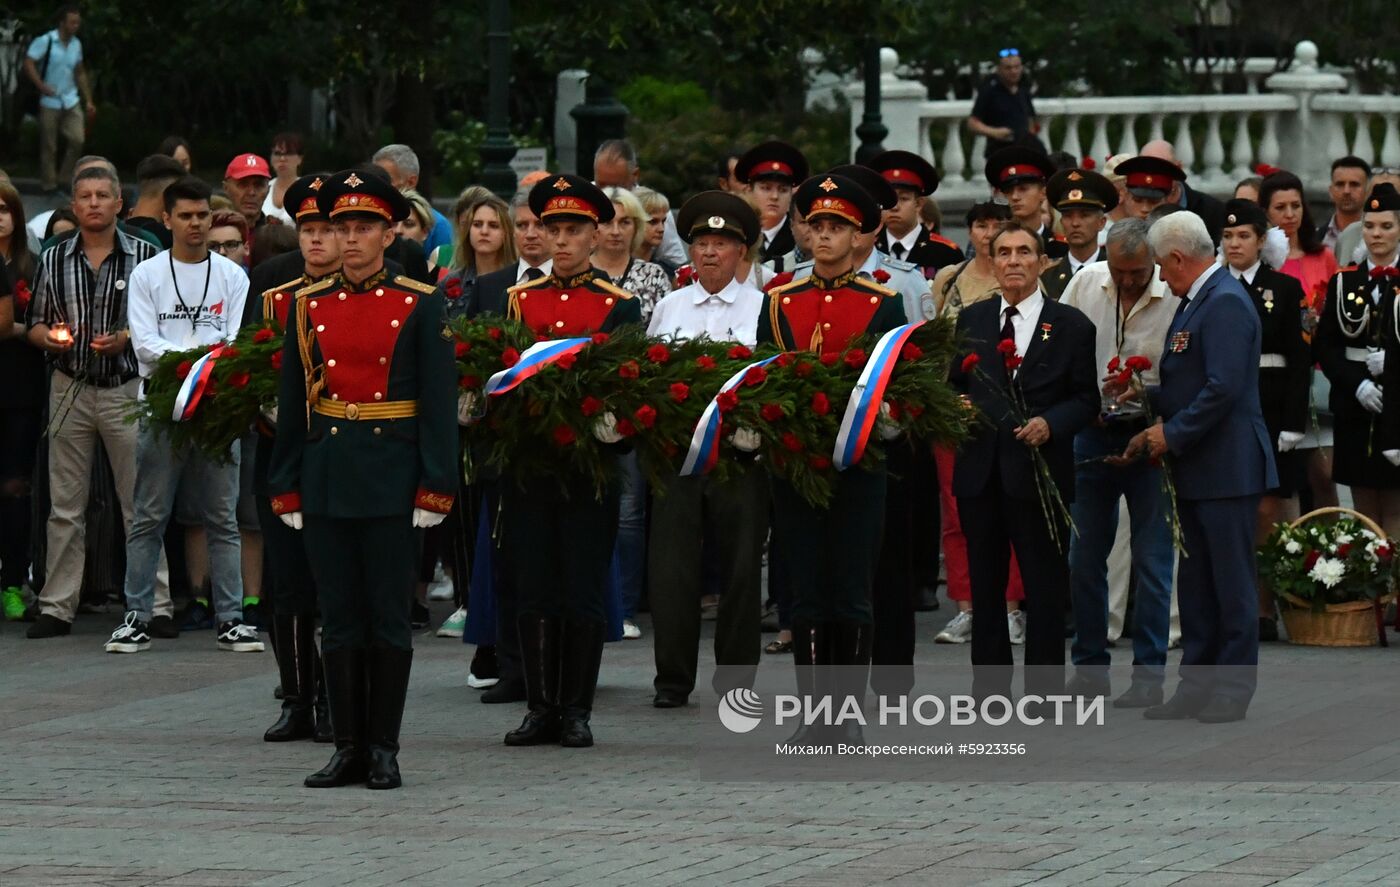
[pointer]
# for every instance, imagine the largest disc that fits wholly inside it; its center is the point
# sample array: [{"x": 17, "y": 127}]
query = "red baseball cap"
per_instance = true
[{"x": 245, "y": 165}]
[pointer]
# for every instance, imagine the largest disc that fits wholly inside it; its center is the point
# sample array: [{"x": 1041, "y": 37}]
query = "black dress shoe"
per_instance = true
[
  {"x": 1139, "y": 696},
  {"x": 383, "y": 770},
  {"x": 346, "y": 767},
  {"x": 574, "y": 732},
  {"x": 1222, "y": 710},
  {"x": 503, "y": 692},
  {"x": 1268, "y": 630},
  {"x": 163, "y": 627},
  {"x": 538, "y": 728},
  {"x": 47, "y": 626},
  {"x": 669, "y": 699},
  {"x": 1177, "y": 708},
  {"x": 1084, "y": 685}
]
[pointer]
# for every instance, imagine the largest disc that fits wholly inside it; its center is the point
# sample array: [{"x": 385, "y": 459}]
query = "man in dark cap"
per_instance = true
[
  {"x": 727, "y": 519},
  {"x": 828, "y": 555},
  {"x": 366, "y": 452},
  {"x": 1082, "y": 197},
  {"x": 1019, "y": 173},
  {"x": 554, "y": 522},
  {"x": 1149, "y": 181},
  {"x": 914, "y": 179},
  {"x": 771, "y": 170}
]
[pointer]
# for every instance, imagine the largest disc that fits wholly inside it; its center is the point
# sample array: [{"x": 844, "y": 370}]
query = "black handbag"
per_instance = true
[{"x": 29, "y": 94}]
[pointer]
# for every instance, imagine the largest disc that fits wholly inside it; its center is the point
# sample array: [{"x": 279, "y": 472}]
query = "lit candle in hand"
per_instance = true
[{"x": 61, "y": 333}]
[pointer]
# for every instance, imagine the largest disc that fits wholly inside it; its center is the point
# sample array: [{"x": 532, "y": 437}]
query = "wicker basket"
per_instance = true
[{"x": 1350, "y": 624}]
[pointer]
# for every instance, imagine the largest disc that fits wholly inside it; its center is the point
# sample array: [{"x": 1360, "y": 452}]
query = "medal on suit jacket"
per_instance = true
[
  {"x": 1045, "y": 332},
  {"x": 1180, "y": 341},
  {"x": 1268, "y": 300}
]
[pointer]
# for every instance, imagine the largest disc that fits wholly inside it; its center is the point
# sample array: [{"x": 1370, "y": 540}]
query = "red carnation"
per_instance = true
[
  {"x": 1311, "y": 560},
  {"x": 1013, "y": 361},
  {"x": 821, "y": 404},
  {"x": 510, "y": 357},
  {"x": 645, "y": 415},
  {"x": 684, "y": 276},
  {"x": 792, "y": 442},
  {"x": 469, "y": 382},
  {"x": 1088, "y": 163},
  {"x": 462, "y": 349},
  {"x": 1265, "y": 170},
  {"x": 771, "y": 412},
  {"x": 705, "y": 362},
  {"x": 855, "y": 358},
  {"x": 1344, "y": 549},
  {"x": 896, "y": 411},
  {"x": 784, "y": 359},
  {"x": 740, "y": 352},
  {"x": 1139, "y": 363},
  {"x": 679, "y": 391},
  {"x": 276, "y": 359},
  {"x": 910, "y": 351},
  {"x": 600, "y": 338},
  {"x": 829, "y": 359},
  {"x": 494, "y": 332},
  {"x": 22, "y": 296},
  {"x": 1114, "y": 364},
  {"x": 1124, "y": 376},
  {"x": 591, "y": 406},
  {"x": 881, "y": 275},
  {"x": 563, "y": 435},
  {"x": 566, "y": 361},
  {"x": 185, "y": 366},
  {"x": 452, "y": 287},
  {"x": 229, "y": 353},
  {"x": 726, "y": 400},
  {"x": 626, "y": 428},
  {"x": 658, "y": 353},
  {"x": 629, "y": 370},
  {"x": 914, "y": 410},
  {"x": 755, "y": 376},
  {"x": 1007, "y": 346},
  {"x": 1383, "y": 553},
  {"x": 821, "y": 463},
  {"x": 263, "y": 335},
  {"x": 970, "y": 361},
  {"x": 803, "y": 369},
  {"x": 240, "y": 379}
]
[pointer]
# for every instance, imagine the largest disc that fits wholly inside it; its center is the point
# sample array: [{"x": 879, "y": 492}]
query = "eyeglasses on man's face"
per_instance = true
[{"x": 225, "y": 246}]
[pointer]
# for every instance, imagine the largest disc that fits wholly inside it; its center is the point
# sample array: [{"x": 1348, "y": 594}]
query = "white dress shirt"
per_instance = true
[
  {"x": 730, "y": 315},
  {"x": 522, "y": 266},
  {"x": 1142, "y": 331},
  {"x": 1200, "y": 282},
  {"x": 1025, "y": 320},
  {"x": 770, "y": 233},
  {"x": 907, "y": 241},
  {"x": 1247, "y": 276}
]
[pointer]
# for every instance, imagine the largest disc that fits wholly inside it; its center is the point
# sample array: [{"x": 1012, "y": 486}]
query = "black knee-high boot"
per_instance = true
[
  {"x": 294, "y": 639},
  {"x": 539, "y": 654},
  {"x": 388, "y": 688},
  {"x": 346, "y": 692}
]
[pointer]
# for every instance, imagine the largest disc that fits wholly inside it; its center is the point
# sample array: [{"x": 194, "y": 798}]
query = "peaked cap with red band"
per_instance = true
[
  {"x": 837, "y": 197},
  {"x": 1009, "y": 167},
  {"x": 302, "y": 199},
  {"x": 771, "y": 160},
  {"x": 1150, "y": 177},
  {"x": 361, "y": 193},
  {"x": 565, "y": 197},
  {"x": 905, "y": 169}
]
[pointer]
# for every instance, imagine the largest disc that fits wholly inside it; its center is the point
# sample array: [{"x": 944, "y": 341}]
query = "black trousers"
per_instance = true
[
  {"x": 893, "y": 595},
  {"x": 364, "y": 570},
  {"x": 292, "y": 590},
  {"x": 694, "y": 518},
  {"x": 990, "y": 521},
  {"x": 558, "y": 544},
  {"x": 827, "y": 555}
]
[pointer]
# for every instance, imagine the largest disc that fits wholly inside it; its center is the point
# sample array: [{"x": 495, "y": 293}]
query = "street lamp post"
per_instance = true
[
  {"x": 872, "y": 130},
  {"x": 498, "y": 147}
]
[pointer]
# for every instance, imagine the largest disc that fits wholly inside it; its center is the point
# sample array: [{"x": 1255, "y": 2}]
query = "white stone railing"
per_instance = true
[{"x": 1301, "y": 121}]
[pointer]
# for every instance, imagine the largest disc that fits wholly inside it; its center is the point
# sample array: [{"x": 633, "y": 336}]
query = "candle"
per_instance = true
[{"x": 61, "y": 333}]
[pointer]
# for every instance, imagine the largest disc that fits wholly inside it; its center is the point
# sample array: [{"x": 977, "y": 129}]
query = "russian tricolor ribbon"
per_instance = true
[
  {"x": 195, "y": 384},
  {"x": 863, "y": 409},
  {"x": 536, "y": 357},
  {"x": 704, "y": 443}
]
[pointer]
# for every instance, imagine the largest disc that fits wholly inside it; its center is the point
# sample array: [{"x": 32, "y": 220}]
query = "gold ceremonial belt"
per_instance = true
[{"x": 389, "y": 409}]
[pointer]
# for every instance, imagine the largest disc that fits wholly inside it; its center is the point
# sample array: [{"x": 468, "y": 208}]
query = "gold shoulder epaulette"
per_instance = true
[
  {"x": 318, "y": 286},
  {"x": 282, "y": 287},
  {"x": 409, "y": 283},
  {"x": 939, "y": 238},
  {"x": 869, "y": 285},
  {"x": 609, "y": 287},
  {"x": 790, "y": 285},
  {"x": 538, "y": 281}
]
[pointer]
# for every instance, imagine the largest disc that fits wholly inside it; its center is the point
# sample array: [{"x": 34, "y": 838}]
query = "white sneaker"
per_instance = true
[
  {"x": 440, "y": 589},
  {"x": 957, "y": 631},
  {"x": 130, "y": 637},
  {"x": 630, "y": 631},
  {"x": 454, "y": 625},
  {"x": 477, "y": 683},
  {"x": 1016, "y": 627},
  {"x": 239, "y": 637}
]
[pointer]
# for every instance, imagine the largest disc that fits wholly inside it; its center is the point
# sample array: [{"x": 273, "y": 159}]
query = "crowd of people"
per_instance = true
[{"x": 1260, "y": 338}]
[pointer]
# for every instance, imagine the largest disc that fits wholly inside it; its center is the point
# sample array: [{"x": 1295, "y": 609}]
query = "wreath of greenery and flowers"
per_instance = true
[{"x": 1328, "y": 563}]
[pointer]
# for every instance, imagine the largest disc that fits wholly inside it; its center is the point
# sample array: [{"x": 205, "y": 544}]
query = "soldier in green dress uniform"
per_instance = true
[
  {"x": 557, "y": 533},
  {"x": 1082, "y": 197},
  {"x": 366, "y": 452}
]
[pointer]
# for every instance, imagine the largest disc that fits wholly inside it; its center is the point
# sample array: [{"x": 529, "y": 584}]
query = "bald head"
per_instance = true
[{"x": 1161, "y": 149}]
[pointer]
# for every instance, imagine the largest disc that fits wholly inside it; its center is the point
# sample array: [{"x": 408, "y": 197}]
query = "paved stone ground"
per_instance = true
[{"x": 150, "y": 769}]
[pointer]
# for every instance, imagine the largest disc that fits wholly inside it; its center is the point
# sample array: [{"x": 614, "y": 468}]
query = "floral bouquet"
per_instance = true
[
  {"x": 1328, "y": 563},
  {"x": 1129, "y": 373}
]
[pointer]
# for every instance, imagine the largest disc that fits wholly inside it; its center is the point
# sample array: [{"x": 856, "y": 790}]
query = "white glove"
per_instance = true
[
  {"x": 423, "y": 518},
  {"x": 605, "y": 429},
  {"x": 887, "y": 428},
  {"x": 270, "y": 414},
  {"x": 1368, "y": 394},
  {"x": 292, "y": 519},
  {"x": 466, "y": 408},
  {"x": 1393, "y": 456},
  {"x": 1287, "y": 440},
  {"x": 746, "y": 440},
  {"x": 1375, "y": 362}
]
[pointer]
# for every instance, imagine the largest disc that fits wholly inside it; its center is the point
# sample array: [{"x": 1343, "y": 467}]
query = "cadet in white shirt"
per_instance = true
[{"x": 731, "y": 516}]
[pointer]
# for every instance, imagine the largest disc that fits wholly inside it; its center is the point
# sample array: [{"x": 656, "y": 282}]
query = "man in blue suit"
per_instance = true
[{"x": 1213, "y": 428}]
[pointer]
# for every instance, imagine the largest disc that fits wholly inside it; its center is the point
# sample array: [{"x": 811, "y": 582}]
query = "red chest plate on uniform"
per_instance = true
[
  {"x": 840, "y": 315},
  {"x": 277, "y": 307},
  {"x": 356, "y": 333},
  {"x": 560, "y": 313}
]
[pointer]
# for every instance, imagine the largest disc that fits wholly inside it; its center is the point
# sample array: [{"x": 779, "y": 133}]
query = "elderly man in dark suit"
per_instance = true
[
  {"x": 1213, "y": 428},
  {"x": 995, "y": 476}
]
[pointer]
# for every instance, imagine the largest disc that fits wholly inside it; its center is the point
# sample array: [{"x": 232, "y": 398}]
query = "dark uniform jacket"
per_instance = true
[
  {"x": 1058, "y": 382},
  {"x": 931, "y": 251},
  {"x": 1283, "y": 390},
  {"x": 1054, "y": 279},
  {"x": 379, "y": 347},
  {"x": 576, "y": 306},
  {"x": 814, "y": 314},
  {"x": 1351, "y": 322},
  {"x": 782, "y": 244}
]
